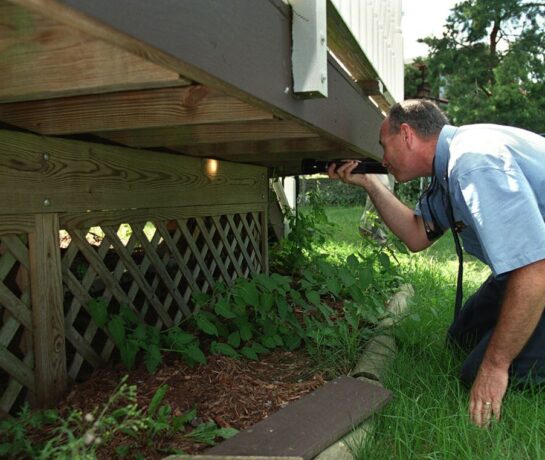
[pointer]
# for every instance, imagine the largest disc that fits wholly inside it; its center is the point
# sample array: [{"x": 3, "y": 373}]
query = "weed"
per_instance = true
[{"x": 81, "y": 436}]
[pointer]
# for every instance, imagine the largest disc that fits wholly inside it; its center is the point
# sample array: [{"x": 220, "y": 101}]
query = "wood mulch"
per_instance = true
[{"x": 232, "y": 393}]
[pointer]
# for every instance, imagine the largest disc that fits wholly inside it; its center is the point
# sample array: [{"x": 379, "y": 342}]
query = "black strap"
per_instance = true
[{"x": 459, "y": 253}]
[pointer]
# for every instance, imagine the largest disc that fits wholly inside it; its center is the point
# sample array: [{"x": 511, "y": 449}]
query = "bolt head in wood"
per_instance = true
[{"x": 47, "y": 203}]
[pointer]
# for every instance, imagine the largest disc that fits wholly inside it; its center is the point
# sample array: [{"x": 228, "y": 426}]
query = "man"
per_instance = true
[{"x": 491, "y": 180}]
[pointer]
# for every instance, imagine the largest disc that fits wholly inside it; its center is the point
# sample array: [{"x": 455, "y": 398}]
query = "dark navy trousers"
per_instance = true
[{"x": 472, "y": 329}]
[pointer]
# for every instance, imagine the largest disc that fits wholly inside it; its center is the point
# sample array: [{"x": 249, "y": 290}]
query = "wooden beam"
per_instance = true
[
  {"x": 347, "y": 50},
  {"x": 16, "y": 223},
  {"x": 112, "y": 218},
  {"x": 40, "y": 174},
  {"x": 372, "y": 87},
  {"x": 345, "y": 47},
  {"x": 266, "y": 150},
  {"x": 42, "y": 58},
  {"x": 208, "y": 41},
  {"x": 47, "y": 310},
  {"x": 129, "y": 110},
  {"x": 210, "y": 133}
]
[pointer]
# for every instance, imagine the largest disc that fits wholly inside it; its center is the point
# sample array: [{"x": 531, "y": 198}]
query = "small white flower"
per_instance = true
[{"x": 89, "y": 438}]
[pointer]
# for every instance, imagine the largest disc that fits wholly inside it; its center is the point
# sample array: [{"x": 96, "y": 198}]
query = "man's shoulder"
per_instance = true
[{"x": 480, "y": 146}]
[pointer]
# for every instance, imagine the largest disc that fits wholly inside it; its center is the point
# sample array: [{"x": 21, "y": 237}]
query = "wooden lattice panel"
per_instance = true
[
  {"x": 151, "y": 267},
  {"x": 16, "y": 349}
]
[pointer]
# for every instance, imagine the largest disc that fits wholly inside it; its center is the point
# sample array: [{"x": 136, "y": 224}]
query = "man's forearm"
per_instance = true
[
  {"x": 522, "y": 308},
  {"x": 397, "y": 216}
]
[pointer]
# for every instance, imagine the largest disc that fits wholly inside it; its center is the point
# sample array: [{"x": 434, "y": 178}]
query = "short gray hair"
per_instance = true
[{"x": 422, "y": 115}]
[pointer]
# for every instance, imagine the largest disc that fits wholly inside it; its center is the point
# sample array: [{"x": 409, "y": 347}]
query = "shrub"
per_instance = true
[{"x": 332, "y": 192}]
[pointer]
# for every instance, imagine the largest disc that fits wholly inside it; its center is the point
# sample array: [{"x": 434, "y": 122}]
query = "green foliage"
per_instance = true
[
  {"x": 415, "y": 79},
  {"x": 15, "y": 441},
  {"x": 489, "y": 63},
  {"x": 428, "y": 415},
  {"x": 132, "y": 336},
  {"x": 309, "y": 228},
  {"x": 254, "y": 316},
  {"x": 79, "y": 436},
  {"x": 333, "y": 192},
  {"x": 206, "y": 433},
  {"x": 409, "y": 192}
]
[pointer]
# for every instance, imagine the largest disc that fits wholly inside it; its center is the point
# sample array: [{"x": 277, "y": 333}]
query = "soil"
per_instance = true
[{"x": 232, "y": 393}]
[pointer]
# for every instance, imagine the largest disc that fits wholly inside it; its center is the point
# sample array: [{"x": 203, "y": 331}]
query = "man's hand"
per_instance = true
[
  {"x": 487, "y": 394},
  {"x": 523, "y": 305},
  {"x": 344, "y": 173}
]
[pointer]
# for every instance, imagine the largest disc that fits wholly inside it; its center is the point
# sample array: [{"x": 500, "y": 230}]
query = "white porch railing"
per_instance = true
[{"x": 376, "y": 25}]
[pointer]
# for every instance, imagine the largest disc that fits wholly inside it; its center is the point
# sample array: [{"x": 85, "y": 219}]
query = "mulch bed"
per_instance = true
[{"x": 233, "y": 393}]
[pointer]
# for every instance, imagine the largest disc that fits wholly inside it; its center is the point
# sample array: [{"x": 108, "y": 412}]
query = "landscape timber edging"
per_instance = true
[{"x": 377, "y": 356}]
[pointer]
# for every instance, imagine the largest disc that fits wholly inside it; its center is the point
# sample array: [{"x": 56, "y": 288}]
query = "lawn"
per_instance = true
[{"x": 428, "y": 416}]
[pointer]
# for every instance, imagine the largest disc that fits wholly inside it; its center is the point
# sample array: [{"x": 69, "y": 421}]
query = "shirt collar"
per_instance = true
[{"x": 442, "y": 153}]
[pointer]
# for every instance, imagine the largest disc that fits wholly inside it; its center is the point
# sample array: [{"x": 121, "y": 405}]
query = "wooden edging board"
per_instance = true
[{"x": 307, "y": 426}]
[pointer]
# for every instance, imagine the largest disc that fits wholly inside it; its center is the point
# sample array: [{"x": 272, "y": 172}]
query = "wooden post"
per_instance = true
[
  {"x": 47, "y": 310},
  {"x": 265, "y": 240}
]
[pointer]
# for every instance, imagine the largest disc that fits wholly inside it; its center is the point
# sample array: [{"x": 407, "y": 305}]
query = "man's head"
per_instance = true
[{"x": 409, "y": 135}]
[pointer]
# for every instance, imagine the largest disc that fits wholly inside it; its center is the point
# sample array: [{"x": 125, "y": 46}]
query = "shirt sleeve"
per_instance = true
[
  {"x": 503, "y": 210},
  {"x": 434, "y": 227}
]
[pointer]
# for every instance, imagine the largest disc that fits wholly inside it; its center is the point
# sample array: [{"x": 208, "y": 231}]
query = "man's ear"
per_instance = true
[{"x": 407, "y": 134}]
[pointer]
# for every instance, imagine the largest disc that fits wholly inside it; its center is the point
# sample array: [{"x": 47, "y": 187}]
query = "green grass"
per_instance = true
[{"x": 428, "y": 415}]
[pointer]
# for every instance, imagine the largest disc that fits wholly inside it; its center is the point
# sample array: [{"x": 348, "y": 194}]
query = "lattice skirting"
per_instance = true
[{"x": 152, "y": 265}]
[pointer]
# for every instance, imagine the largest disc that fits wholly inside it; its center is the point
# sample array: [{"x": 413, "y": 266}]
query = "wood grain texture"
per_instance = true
[
  {"x": 41, "y": 58},
  {"x": 129, "y": 110},
  {"x": 13, "y": 224},
  {"x": 241, "y": 48},
  {"x": 47, "y": 310},
  {"x": 346, "y": 48},
  {"x": 112, "y": 218},
  {"x": 307, "y": 426},
  {"x": 210, "y": 133},
  {"x": 20, "y": 371},
  {"x": 266, "y": 149},
  {"x": 40, "y": 174},
  {"x": 14, "y": 388}
]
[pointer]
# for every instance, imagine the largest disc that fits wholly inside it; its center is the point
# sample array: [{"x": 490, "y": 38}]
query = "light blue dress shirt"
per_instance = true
[{"x": 495, "y": 176}]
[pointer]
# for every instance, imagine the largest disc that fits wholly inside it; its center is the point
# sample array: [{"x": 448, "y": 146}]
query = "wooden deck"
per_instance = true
[
  {"x": 173, "y": 116},
  {"x": 207, "y": 79}
]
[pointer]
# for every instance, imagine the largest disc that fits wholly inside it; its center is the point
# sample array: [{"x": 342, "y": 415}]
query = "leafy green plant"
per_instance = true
[
  {"x": 309, "y": 228},
  {"x": 330, "y": 192},
  {"x": 251, "y": 317},
  {"x": 131, "y": 335},
  {"x": 335, "y": 336},
  {"x": 15, "y": 432},
  {"x": 81, "y": 436},
  {"x": 254, "y": 316},
  {"x": 330, "y": 308}
]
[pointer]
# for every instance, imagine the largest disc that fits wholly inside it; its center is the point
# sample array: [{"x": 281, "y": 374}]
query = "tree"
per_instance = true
[{"x": 490, "y": 63}]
